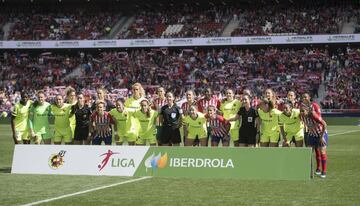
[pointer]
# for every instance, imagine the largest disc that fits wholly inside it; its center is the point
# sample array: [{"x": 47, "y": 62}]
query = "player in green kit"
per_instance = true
[
  {"x": 20, "y": 119},
  {"x": 195, "y": 126},
  {"x": 61, "y": 112},
  {"x": 121, "y": 117},
  {"x": 40, "y": 112},
  {"x": 229, "y": 108},
  {"x": 132, "y": 104},
  {"x": 291, "y": 127},
  {"x": 71, "y": 99},
  {"x": 269, "y": 124},
  {"x": 147, "y": 118}
]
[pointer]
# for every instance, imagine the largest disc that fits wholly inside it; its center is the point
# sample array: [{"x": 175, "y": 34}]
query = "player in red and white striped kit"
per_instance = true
[
  {"x": 207, "y": 101},
  {"x": 219, "y": 128},
  {"x": 100, "y": 125},
  {"x": 157, "y": 104},
  {"x": 317, "y": 137}
]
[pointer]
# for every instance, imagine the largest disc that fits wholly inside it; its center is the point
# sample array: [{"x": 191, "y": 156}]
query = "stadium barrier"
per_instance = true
[
  {"x": 240, "y": 163},
  {"x": 181, "y": 42}
]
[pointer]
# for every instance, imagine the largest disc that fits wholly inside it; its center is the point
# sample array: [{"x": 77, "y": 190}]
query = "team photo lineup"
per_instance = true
[
  {"x": 196, "y": 103},
  {"x": 136, "y": 120}
]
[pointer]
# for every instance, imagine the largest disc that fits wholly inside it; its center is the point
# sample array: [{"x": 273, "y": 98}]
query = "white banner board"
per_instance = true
[
  {"x": 183, "y": 42},
  {"x": 77, "y": 159}
]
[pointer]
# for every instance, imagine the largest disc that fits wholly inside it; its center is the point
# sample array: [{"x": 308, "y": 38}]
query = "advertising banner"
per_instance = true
[
  {"x": 239, "y": 163},
  {"x": 182, "y": 42}
]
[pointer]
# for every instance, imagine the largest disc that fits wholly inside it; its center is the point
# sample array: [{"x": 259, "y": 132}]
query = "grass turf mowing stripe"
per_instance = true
[{"x": 86, "y": 191}]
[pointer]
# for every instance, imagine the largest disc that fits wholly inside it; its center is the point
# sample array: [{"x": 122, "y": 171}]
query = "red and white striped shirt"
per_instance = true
[
  {"x": 186, "y": 107},
  {"x": 314, "y": 123},
  {"x": 203, "y": 104},
  {"x": 158, "y": 103},
  {"x": 102, "y": 124},
  {"x": 219, "y": 126}
]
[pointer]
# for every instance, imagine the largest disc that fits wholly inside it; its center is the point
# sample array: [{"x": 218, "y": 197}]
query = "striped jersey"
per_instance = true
[
  {"x": 102, "y": 124},
  {"x": 314, "y": 124},
  {"x": 218, "y": 126},
  {"x": 186, "y": 107},
  {"x": 158, "y": 103},
  {"x": 203, "y": 104}
]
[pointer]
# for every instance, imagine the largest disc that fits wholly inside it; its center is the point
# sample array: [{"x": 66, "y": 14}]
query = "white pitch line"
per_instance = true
[
  {"x": 86, "y": 191},
  {"x": 352, "y": 131}
]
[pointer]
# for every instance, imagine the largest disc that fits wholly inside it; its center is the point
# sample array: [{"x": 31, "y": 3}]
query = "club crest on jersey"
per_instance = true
[{"x": 173, "y": 115}]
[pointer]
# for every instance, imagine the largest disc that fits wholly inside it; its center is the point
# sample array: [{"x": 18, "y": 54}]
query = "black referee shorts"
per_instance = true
[{"x": 170, "y": 135}]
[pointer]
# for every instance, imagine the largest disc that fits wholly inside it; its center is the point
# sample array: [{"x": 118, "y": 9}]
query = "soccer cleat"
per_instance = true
[
  {"x": 323, "y": 175},
  {"x": 318, "y": 172}
]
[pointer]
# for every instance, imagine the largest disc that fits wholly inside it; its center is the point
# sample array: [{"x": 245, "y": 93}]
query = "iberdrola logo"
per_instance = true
[{"x": 156, "y": 161}]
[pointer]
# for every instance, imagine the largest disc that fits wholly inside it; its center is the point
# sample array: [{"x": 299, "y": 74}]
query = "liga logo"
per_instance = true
[
  {"x": 156, "y": 161},
  {"x": 116, "y": 162},
  {"x": 57, "y": 160}
]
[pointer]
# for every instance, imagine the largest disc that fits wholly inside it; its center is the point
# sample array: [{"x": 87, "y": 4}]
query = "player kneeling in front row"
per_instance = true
[
  {"x": 317, "y": 137},
  {"x": 195, "y": 127},
  {"x": 291, "y": 127},
  {"x": 100, "y": 125}
]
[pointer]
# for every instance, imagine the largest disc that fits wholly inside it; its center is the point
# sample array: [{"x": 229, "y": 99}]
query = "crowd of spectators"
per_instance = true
[
  {"x": 67, "y": 24},
  {"x": 188, "y": 20},
  {"x": 343, "y": 81},
  {"x": 195, "y": 22},
  {"x": 177, "y": 70},
  {"x": 290, "y": 21}
]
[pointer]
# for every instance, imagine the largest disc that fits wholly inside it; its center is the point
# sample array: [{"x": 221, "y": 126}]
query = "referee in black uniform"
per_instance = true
[{"x": 170, "y": 116}]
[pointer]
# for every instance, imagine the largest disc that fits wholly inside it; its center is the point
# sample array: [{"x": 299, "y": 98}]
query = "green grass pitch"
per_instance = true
[{"x": 341, "y": 187}]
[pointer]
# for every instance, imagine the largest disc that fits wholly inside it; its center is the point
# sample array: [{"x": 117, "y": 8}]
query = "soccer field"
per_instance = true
[{"x": 341, "y": 187}]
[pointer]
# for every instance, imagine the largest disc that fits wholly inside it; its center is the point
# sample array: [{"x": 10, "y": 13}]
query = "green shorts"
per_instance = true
[
  {"x": 299, "y": 136},
  {"x": 22, "y": 135},
  {"x": 234, "y": 134},
  {"x": 272, "y": 138},
  {"x": 63, "y": 134},
  {"x": 150, "y": 138}
]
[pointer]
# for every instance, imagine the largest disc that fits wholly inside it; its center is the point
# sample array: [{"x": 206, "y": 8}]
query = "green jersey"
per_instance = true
[
  {"x": 196, "y": 127},
  {"x": 121, "y": 119},
  {"x": 133, "y": 125},
  {"x": 147, "y": 123},
  {"x": 291, "y": 124},
  {"x": 61, "y": 115},
  {"x": 21, "y": 116},
  {"x": 229, "y": 110},
  {"x": 269, "y": 121},
  {"x": 39, "y": 118}
]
